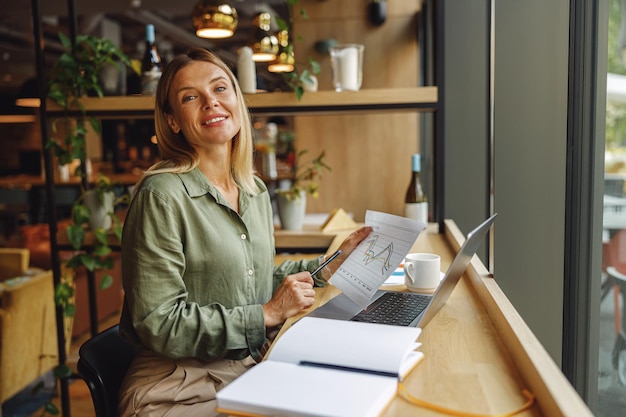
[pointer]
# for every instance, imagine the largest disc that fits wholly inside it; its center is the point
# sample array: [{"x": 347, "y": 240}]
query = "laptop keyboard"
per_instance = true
[{"x": 396, "y": 308}]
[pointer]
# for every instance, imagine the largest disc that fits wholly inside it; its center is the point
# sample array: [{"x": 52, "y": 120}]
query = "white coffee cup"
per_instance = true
[{"x": 422, "y": 271}]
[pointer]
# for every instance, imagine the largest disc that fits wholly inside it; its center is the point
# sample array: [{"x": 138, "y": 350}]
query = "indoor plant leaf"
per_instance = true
[
  {"x": 101, "y": 250},
  {"x": 88, "y": 261},
  {"x": 76, "y": 235},
  {"x": 106, "y": 282}
]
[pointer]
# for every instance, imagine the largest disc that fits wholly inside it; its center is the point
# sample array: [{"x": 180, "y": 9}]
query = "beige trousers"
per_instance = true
[{"x": 159, "y": 386}]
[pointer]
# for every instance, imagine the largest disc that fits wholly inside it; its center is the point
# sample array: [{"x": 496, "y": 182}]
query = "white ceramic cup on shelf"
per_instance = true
[{"x": 422, "y": 272}]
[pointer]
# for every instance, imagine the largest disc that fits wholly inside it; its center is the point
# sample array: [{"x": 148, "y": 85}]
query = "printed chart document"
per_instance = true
[
  {"x": 377, "y": 256},
  {"x": 324, "y": 367}
]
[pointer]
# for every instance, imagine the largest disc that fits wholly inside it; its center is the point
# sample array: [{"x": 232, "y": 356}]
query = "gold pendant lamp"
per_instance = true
[
  {"x": 214, "y": 19},
  {"x": 285, "y": 61},
  {"x": 264, "y": 45}
]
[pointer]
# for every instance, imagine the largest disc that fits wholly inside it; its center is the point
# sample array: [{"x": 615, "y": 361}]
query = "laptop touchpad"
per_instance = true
[{"x": 341, "y": 308}]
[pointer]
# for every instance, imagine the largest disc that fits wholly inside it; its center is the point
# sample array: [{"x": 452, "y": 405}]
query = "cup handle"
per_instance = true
[{"x": 408, "y": 267}]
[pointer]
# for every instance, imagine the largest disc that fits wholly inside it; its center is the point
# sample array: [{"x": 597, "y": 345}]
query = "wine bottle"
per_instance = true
[
  {"x": 415, "y": 201},
  {"x": 150, "y": 65}
]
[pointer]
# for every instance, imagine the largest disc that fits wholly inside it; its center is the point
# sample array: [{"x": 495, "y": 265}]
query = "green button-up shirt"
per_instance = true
[{"x": 196, "y": 272}]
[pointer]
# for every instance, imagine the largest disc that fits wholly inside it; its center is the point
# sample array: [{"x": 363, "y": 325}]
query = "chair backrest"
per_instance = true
[
  {"x": 103, "y": 362},
  {"x": 616, "y": 252}
]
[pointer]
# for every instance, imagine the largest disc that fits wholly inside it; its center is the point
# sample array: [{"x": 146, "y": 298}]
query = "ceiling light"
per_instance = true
[
  {"x": 264, "y": 45},
  {"x": 285, "y": 61},
  {"x": 214, "y": 19}
]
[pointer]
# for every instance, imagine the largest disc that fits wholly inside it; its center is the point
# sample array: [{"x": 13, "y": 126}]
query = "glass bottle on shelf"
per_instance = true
[
  {"x": 150, "y": 65},
  {"x": 269, "y": 165},
  {"x": 265, "y": 151},
  {"x": 415, "y": 201}
]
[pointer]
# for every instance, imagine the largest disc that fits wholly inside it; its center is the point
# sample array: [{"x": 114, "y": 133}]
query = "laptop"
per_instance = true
[{"x": 407, "y": 308}]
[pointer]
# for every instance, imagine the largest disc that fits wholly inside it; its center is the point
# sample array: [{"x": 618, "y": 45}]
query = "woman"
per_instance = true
[{"x": 201, "y": 289}]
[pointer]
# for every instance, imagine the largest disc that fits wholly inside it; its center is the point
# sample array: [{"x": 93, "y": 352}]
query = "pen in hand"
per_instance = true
[{"x": 326, "y": 262}]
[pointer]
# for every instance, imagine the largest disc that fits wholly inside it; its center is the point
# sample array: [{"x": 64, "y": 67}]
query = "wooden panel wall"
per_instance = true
[{"x": 369, "y": 153}]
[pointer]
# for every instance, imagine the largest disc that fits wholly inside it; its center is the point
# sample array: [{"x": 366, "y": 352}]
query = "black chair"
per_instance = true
[{"x": 103, "y": 362}]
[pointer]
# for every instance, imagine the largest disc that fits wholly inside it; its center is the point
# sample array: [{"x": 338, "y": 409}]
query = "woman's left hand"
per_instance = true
[{"x": 347, "y": 246}]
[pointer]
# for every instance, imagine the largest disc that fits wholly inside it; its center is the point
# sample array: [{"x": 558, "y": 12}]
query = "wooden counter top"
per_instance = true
[
  {"x": 479, "y": 353},
  {"x": 310, "y": 238}
]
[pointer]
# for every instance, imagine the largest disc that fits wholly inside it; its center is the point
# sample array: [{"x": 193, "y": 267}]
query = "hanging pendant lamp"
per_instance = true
[
  {"x": 264, "y": 45},
  {"x": 214, "y": 19},
  {"x": 285, "y": 61}
]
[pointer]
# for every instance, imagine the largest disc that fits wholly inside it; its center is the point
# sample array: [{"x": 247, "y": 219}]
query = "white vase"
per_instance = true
[
  {"x": 64, "y": 173},
  {"x": 100, "y": 209},
  {"x": 246, "y": 71},
  {"x": 291, "y": 212},
  {"x": 310, "y": 86}
]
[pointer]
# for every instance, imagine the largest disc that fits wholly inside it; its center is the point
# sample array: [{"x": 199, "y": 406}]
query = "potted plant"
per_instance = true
[
  {"x": 291, "y": 201},
  {"x": 303, "y": 78},
  {"x": 100, "y": 201},
  {"x": 75, "y": 75}
]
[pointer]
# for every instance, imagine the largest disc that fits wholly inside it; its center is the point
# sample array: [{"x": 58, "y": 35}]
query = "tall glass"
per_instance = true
[{"x": 347, "y": 66}]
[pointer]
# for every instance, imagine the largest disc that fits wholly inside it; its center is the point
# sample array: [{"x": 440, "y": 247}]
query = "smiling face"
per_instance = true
[{"x": 204, "y": 105}]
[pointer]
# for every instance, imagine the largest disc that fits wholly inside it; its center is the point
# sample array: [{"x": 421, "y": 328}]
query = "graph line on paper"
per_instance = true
[
  {"x": 383, "y": 255},
  {"x": 377, "y": 256}
]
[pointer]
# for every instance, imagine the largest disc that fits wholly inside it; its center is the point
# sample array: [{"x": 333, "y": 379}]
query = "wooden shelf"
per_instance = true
[
  {"x": 327, "y": 102},
  {"x": 321, "y": 102}
]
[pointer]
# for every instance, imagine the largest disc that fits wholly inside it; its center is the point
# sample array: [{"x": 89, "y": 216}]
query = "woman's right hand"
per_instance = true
[{"x": 294, "y": 295}]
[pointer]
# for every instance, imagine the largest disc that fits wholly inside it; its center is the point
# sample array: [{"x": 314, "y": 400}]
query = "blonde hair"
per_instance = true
[{"x": 178, "y": 156}]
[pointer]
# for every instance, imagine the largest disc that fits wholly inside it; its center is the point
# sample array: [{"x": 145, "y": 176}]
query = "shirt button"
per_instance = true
[
  {"x": 243, "y": 237},
  {"x": 250, "y": 272}
]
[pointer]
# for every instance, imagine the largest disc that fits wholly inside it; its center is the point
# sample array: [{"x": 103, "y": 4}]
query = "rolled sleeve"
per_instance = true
[
  {"x": 255, "y": 328},
  {"x": 289, "y": 267}
]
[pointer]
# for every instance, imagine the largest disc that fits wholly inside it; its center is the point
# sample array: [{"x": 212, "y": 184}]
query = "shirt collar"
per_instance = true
[{"x": 197, "y": 185}]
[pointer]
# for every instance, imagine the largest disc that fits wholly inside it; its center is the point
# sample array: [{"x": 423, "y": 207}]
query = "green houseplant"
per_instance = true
[
  {"x": 303, "y": 75},
  {"x": 306, "y": 176},
  {"x": 75, "y": 75},
  {"x": 291, "y": 201},
  {"x": 98, "y": 256}
]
